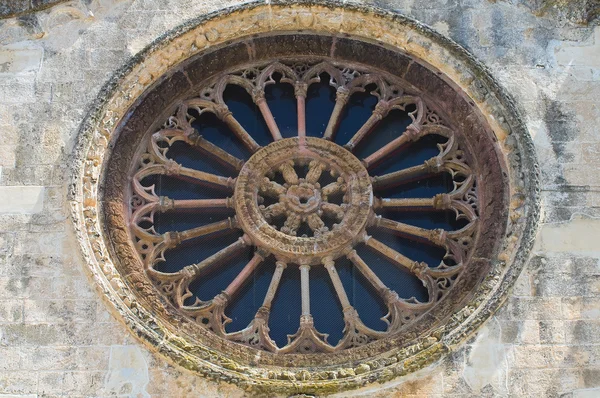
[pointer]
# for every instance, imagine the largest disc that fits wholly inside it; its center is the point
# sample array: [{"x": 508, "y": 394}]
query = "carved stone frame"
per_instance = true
[{"x": 97, "y": 137}]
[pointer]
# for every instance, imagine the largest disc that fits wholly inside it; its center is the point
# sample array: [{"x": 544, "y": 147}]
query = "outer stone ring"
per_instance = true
[{"x": 152, "y": 105}]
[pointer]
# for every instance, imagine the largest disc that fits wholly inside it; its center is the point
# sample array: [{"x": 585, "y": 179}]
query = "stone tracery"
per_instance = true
[{"x": 332, "y": 230}]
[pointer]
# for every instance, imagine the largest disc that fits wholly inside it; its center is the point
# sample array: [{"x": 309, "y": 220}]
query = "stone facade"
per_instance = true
[{"x": 57, "y": 337}]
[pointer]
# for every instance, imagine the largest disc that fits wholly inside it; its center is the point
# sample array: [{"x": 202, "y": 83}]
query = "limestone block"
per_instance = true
[
  {"x": 17, "y": 90},
  {"x": 552, "y": 332},
  {"x": 582, "y": 331},
  {"x": 23, "y": 199},
  {"x": 587, "y": 53},
  {"x": 11, "y": 311},
  {"x": 59, "y": 311},
  {"x": 581, "y": 307},
  {"x": 11, "y": 359},
  {"x": 586, "y": 393},
  {"x": 20, "y": 59},
  {"x": 579, "y": 235},
  {"x": 535, "y": 308},
  {"x": 18, "y": 382},
  {"x": 543, "y": 382}
]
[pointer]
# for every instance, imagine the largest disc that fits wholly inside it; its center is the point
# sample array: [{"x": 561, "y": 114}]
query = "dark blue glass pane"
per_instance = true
[
  {"x": 191, "y": 158},
  {"x": 248, "y": 300},
  {"x": 282, "y": 102},
  {"x": 390, "y": 128},
  {"x": 287, "y": 306},
  {"x": 177, "y": 188},
  {"x": 219, "y": 276},
  {"x": 196, "y": 250},
  {"x": 362, "y": 296},
  {"x": 416, "y": 251},
  {"x": 247, "y": 114},
  {"x": 357, "y": 111},
  {"x": 396, "y": 278},
  {"x": 320, "y": 100},
  {"x": 413, "y": 155},
  {"x": 325, "y": 305},
  {"x": 424, "y": 188},
  {"x": 215, "y": 131}
]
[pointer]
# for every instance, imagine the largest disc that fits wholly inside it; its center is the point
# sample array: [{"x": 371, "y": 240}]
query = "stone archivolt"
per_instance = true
[{"x": 492, "y": 197}]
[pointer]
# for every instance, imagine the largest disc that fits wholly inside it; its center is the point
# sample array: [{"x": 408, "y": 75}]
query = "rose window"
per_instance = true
[{"x": 337, "y": 197}]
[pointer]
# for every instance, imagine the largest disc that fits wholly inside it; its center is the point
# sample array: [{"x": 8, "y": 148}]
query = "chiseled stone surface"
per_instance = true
[{"x": 57, "y": 337}]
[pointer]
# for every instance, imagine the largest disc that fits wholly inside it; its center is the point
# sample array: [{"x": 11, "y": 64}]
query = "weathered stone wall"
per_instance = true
[{"x": 57, "y": 336}]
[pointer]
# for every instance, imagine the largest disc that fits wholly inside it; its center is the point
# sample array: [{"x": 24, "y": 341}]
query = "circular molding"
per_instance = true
[
  {"x": 287, "y": 247},
  {"x": 98, "y": 135}
]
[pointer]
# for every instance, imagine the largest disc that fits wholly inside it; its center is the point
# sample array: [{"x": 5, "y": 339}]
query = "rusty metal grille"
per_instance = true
[{"x": 303, "y": 200}]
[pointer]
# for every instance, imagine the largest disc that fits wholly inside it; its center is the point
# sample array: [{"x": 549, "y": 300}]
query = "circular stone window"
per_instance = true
[{"x": 304, "y": 198}]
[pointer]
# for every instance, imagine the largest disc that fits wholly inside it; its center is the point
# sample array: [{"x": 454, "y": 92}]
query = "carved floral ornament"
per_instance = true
[{"x": 304, "y": 201}]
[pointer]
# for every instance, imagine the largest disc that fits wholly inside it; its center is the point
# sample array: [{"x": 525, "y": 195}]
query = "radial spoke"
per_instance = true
[
  {"x": 207, "y": 229},
  {"x": 193, "y": 271},
  {"x": 429, "y": 167},
  {"x": 172, "y": 239},
  {"x": 411, "y": 134},
  {"x": 417, "y": 268},
  {"x": 256, "y": 334},
  {"x": 381, "y": 110},
  {"x": 315, "y": 169},
  {"x": 271, "y": 188},
  {"x": 333, "y": 210},
  {"x": 288, "y": 172},
  {"x": 300, "y": 92},
  {"x": 334, "y": 188},
  {"x": 341, "y": 99},
  {"x": 438, "y": 202},
  {"x": 211, "y": 149},
  {"x": 305, "y": 289},
  {"x": 291, "y": 224},
  {"x": 279, "y": 267},
  {"x": 201, "y": 176},
  {"x": 172, "y": 168},
  {"x": 166, "y": 204},
  {"x": 307, "y": 339},
  {"x": 356, "y": 333},
  {"x": 315, "y": 223},
  {"x": 337, "y": 283},
  {"x": 367, "y": 272},
  {"x": 444, "y": 201},
  {"x": 259, "y": 99},
  {"x": 399, "y": 311},
  {"x": 435, "y": 236},
  {"x": 273, "y": 210},
  {"x": 223, "y": 113},
  {"x": 239, "y": 280},
  {"x": 195, "y": 140},
  {"x": 241, "y": 133}
]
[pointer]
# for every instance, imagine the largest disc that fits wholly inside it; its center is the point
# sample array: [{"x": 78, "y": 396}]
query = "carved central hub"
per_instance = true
[
  {"x": 303, "y": 198},
  {"x": 303, "y": 201}
]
